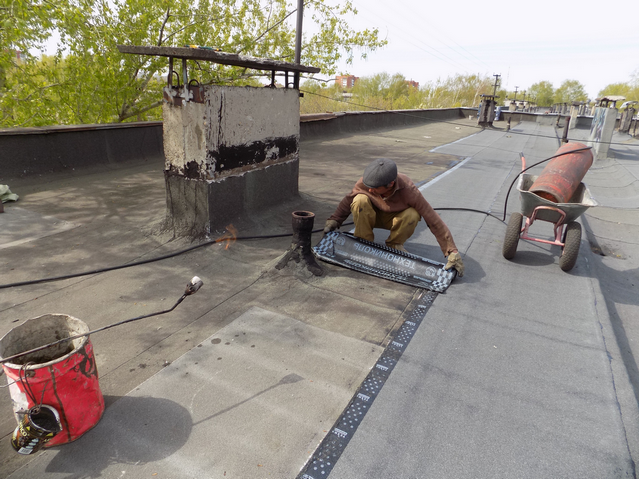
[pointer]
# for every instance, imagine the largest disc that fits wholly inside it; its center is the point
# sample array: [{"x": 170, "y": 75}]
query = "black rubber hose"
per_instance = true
[
  {"x": 71, "y": 338},
  {"x": 241, "y": 238},
  {"x": 137, "y": 263}
]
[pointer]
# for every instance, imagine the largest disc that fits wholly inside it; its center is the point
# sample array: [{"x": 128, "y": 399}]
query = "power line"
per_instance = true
[
  {"x": 440, "y": 36},
  {"x": 399, "y": 31},
  {"x": 438, "y": 54}
]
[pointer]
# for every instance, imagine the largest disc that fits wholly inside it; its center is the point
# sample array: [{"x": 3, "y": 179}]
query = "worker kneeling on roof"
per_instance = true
[{"x": 382, "y": 198}]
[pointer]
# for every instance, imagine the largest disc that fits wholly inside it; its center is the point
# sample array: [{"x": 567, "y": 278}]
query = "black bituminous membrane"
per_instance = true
[
  {"x": 331, "y": 448},
  {"x": 378, "y": 260},
  {"x": 236, "y": 156}
]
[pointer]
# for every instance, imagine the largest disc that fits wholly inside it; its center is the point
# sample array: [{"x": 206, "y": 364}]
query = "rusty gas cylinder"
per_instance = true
[{"x": 562, "y": 175}]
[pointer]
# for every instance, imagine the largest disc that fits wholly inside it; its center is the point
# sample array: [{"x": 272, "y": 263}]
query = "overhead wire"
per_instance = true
[
  {"x": 438, "y": 54},
  {"x": 439, "y": 37}
]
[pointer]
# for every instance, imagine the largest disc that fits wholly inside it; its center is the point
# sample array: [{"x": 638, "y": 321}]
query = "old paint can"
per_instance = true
[
  {"x": 38, "y": 426},
  {"x": 64, "y": 377},
  {"x": 562, "y": 175}
]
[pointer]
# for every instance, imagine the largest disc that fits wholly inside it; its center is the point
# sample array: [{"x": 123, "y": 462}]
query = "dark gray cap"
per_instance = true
[{"x": 380, "y": 172}]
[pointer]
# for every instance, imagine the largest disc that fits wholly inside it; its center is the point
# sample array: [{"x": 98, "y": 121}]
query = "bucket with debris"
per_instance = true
[{"x": 60, "y": 381}]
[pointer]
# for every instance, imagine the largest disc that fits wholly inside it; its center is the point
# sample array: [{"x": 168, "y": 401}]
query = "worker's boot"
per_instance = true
[{"x": 398, "y": 247}]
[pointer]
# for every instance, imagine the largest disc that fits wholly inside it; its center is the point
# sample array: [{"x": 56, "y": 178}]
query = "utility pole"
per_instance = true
[
  {"x": 298, "y": 31},
  {"x": 516, "y": 93},
  {"x": 497, "y": 77},
  {"x": 298, "y": 39}
]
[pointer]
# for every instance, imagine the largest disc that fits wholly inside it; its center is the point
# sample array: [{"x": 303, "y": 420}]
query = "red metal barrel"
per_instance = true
[
  {"x": 64, "y": 377},
  {"x": 562, "y": 175}
]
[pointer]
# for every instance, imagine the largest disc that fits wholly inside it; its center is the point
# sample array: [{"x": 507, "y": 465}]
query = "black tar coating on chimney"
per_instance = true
[{"x": 236, "y": 156}]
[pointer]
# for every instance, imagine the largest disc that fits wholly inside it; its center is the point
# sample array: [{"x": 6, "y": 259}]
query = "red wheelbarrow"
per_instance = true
[{"x": 567, "y": 231}]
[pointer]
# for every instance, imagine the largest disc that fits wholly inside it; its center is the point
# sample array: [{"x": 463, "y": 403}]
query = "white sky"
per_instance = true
[{"x": 593, "y": 42}]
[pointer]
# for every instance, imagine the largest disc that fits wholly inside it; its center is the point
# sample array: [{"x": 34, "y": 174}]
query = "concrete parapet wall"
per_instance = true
[
  {"x": 317, "y": 126},
  {"x": 546, "y": 119},
  {"x": 542, "y": 119},
  {"x": 27, "y": 152}
]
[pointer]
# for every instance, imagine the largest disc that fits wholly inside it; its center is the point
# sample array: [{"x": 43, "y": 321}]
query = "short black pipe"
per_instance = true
[{"x": 300, "y": 249}]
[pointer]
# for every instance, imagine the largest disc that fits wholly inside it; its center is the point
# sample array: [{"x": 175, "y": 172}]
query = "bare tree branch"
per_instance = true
[
  {"x": 257, "y": 39},
  {"x": 181, "y": 29},
  {"x": 140, "y": 111},
  {"x": 166, "y": 19}
]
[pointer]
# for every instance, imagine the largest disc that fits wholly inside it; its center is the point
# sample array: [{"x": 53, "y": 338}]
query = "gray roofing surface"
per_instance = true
[{"x": 518, "y": 370}]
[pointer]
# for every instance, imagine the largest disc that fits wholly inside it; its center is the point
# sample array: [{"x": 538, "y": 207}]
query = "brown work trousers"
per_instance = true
[{"x": 366, "y": 216}]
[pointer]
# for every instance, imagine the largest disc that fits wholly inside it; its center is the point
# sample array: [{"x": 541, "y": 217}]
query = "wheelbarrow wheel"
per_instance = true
[
  {"x": 572, "y": 241},
  {"x": 511, "y": 240}
]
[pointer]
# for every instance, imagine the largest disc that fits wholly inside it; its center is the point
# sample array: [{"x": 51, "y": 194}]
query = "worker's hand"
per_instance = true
[
  {"x": 455, "y": 261},
  {"x": 331, "y": 225}
]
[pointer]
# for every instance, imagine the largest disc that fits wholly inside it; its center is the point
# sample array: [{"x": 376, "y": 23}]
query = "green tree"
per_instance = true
[
  {"x": 570, "y": 91},
  {"x": 29, "y": 95},
  {"x": 324, "y": 98},
  {"x": 386, "y": 92},
  {"x": 93, "y": 83},
  {"x": 629, "y": 90},
  {"x": 396, "y": 92},
  {"x": 620, "y": 89},
  {"x": 543, "y": 93},
  {"x": 460, "y": 90},
  {"x": 23, "y": 25}
]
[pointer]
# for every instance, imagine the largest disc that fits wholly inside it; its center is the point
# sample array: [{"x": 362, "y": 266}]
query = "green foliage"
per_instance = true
[
  {"x": 629, "y": 90},
  {"x": 23, "y": 25},
  {"x": 89, "y": 81},
  {"x": 457, "y": 91},
  {"x": 621, "y": 89},
  {"x": 383, "y": 91},
  {"x": 322, "y": 98},
  {"x": 29, "y": 95},
  {"x": 542, "y": 93},
  {"x": 570, "y": 91}
]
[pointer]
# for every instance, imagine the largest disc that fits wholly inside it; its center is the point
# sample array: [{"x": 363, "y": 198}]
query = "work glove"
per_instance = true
[
  {"x": 331, "y": 225},
  {"x": 455, "y": 261}
]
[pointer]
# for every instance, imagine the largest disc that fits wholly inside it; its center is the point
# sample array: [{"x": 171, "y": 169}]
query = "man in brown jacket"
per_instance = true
[{"x": 383, "y": 198}]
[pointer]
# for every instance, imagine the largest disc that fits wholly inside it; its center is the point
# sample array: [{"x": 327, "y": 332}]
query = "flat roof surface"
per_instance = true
[{"x": 518, "y": 370}]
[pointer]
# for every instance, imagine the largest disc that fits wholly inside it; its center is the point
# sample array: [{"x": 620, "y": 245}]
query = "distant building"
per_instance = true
[
  {"x": 413, "y": 83},
  {"x": 346, "y": 81}
]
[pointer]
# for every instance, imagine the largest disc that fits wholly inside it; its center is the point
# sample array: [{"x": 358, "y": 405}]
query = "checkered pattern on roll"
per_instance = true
[{"x": 325, "y": 250}]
